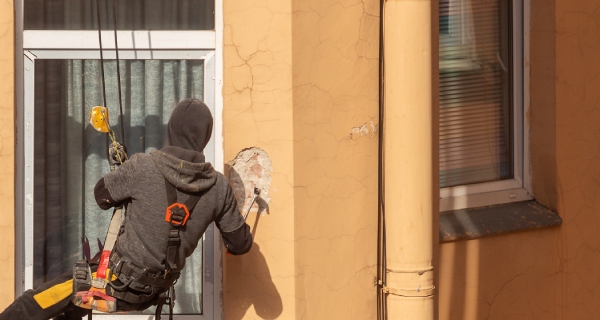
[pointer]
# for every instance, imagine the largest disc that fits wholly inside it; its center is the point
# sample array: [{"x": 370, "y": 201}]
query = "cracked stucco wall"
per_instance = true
[
  {"x": 7, "y": 152},
  {"x": 257, "y": 93},
  {"x": 549, "y": 274},
  {"x": 578, "y": 154},
  {"x": 300, "y": 82},
  {"x": 335, "y": 59}
]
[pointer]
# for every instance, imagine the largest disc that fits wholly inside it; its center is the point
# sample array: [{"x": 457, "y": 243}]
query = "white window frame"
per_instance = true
[
  {"x": 142, "y": 45},
  {"x": 518, "y": 188}
]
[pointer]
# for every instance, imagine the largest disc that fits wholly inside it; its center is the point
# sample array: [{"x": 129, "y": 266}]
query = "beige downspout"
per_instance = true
[{"x": 408, "y": 159}]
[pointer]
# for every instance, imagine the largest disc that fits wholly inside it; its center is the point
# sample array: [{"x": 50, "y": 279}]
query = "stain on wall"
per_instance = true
[{"x": 366, "y": 130}]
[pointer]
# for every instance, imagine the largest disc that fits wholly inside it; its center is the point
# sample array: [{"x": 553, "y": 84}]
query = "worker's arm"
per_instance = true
[
  {"x": 114, "y": 189},
  {"x": 238, "y": 241},
  {"x": 103, "y": 197},
  {"x": 234, "y": 230}
]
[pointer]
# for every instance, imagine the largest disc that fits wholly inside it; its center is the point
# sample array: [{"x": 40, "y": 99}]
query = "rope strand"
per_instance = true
[
  {"x": 118, "y": 71},
  {"x": 101, "y": 52}
]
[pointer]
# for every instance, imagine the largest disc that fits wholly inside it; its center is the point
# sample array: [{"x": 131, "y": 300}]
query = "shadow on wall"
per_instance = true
[
  {"x": 248, "y": 284},
  {"x": 512, "y": 276},
  {"x": 247, "y": 279}
]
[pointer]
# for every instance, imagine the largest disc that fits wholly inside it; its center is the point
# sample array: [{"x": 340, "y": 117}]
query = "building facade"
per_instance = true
[{"x": 298, "y": 83}]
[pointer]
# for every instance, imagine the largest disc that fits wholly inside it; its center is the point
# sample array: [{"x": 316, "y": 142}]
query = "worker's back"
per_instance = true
[{"x": 145, "y": 231}]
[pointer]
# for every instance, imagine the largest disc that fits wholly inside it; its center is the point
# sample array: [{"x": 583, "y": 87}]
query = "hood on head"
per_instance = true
[{"x": 190, "y": 125}]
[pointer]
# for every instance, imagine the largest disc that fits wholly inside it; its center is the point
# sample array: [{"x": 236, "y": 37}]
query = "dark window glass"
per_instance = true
[
  {"x": 475, "y": 86},
  {"x": 131, "y": 14}
]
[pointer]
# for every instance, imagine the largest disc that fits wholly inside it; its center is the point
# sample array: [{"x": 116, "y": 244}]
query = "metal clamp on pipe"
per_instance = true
[
  {"x": 410, "y": 282},
  {"x": 419, "y": 292}
]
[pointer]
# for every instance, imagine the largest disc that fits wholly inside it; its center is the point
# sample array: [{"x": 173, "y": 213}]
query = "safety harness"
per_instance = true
[
  {"x": 177, "y": 215},
  {"x": 119, "y": 278}
]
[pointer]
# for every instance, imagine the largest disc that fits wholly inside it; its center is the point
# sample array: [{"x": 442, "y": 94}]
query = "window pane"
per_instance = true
[
  {"x": 70, "y": 156},
  {"x": 475, "y": 92},
  {"x": 131, "y": 15}
]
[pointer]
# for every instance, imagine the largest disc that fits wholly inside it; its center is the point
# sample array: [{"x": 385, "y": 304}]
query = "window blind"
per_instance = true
[{"x": 474, "y": 86}]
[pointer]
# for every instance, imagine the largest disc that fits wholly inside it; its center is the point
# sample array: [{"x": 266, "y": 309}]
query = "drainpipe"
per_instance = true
[{"x": 408, "y": 156}]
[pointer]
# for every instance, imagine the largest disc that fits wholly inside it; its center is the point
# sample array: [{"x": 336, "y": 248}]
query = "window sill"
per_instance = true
[{"x": 495, "y": 220}]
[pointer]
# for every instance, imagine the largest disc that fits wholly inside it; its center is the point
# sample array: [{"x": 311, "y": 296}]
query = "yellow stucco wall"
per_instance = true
[
  {"x": 549, "y": 274},
  {"x": 300, "y": 82},
  {"x": 335, "y": 74},
  {"x": 514, "y": 276},
  {"x": 7, "y": 152},
  {"x": 578, "y": 153},
  {"x": 257, "y": 93}
]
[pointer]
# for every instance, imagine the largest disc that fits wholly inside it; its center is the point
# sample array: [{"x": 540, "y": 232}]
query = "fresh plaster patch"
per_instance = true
[
  {"x": 251, "y": 169},
  {"x": 366, "y": 130}
]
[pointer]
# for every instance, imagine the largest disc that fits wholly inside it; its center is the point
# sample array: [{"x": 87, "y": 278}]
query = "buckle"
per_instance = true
[
  {"x": 177, "y": 214},
  {"x": 174, "y": 238},
  {"x": 82, "y": 276}
]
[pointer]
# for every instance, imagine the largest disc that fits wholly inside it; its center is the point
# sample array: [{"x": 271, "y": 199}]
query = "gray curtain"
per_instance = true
[{"x": 70, "y": 156}]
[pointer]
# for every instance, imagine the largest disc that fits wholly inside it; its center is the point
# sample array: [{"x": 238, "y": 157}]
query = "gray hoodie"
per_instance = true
[{"x": 140, "y": 182}]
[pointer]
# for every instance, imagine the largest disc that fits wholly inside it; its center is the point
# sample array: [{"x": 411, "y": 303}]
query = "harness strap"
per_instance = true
[
  {"x": 109, "y": 244},
  {"x": 173, "y": 249},
  {"x": 130, "y": 297},
  {"x": 177, "y": 217},
  {"x": 140, "y": 278},
  {"x": 191, "y": 201}
]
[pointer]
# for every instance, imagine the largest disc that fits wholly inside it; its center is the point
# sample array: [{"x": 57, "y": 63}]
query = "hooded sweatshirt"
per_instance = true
[{"x": 140, "y": 182}]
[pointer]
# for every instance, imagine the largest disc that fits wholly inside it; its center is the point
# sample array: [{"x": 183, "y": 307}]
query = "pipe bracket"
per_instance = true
[{"x": 419, "y": 292}]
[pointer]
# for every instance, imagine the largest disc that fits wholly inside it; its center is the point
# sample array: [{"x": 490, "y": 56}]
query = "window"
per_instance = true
[
  {"x": 62, "y": 157},
  {"x": 481, "y": 124}
]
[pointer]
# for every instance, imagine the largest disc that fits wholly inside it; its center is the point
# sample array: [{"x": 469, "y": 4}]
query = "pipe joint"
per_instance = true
[
  {"x": 419, "y": 292},
  {"x": 408, "y": 282}
]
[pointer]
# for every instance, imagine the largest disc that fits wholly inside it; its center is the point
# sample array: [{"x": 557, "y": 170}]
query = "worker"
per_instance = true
[{"x": 145, "y": 262}]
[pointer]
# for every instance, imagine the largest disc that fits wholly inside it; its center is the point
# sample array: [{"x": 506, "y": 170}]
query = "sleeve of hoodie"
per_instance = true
[
  {"x": 234, "y": 230},
  {"x": 113, "y": 189},
  {"x": 103, "y": 198}
]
